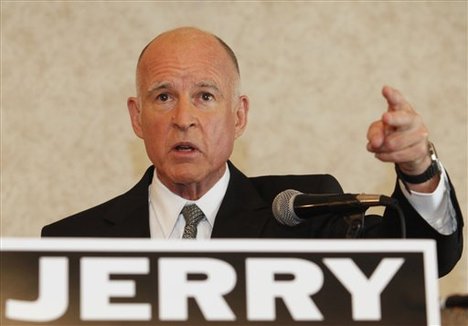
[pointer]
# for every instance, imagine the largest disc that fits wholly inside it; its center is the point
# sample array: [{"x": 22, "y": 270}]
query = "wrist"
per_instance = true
[{"x": 428, "y": 178}]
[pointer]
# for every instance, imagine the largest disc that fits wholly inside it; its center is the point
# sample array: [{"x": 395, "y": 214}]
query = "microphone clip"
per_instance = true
[{"x": 355, "y": 225}]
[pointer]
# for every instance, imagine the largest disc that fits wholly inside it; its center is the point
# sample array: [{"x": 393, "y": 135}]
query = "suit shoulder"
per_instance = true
[
  {"x": 94, "y": 221},
  {"x": 80, "y": 223}
]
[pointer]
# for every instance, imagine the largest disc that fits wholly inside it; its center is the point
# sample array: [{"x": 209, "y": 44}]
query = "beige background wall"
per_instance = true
[{"x": 313, "y": 72}]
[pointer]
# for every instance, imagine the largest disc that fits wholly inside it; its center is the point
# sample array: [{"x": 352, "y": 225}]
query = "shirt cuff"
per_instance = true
[{"x": 435, "y": 208}]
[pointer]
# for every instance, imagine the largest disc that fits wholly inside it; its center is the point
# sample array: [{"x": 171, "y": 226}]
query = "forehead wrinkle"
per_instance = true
[
  {"x": 170, "y": 71},
  {"x": 171, "y": 75},
  {"x": 192, "y": 39}
]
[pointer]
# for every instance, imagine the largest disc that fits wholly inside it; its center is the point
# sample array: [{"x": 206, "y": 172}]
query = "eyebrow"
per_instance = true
[
  {"x": 168, "y": 85},
  {"x": 208, "y": 84},
  {"x": 159, "y": 85}
]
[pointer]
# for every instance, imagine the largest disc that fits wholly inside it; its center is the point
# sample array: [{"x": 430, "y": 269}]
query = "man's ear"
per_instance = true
[
  {"x": 241, "y": 115},
  {"x": 135, "y": 115}
]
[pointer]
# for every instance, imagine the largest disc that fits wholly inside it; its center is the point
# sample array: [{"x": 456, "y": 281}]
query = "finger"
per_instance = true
[
  {"x": 395, "y": 99},
  {"x": 407, "y": 154},
  {"x": 401, "y": 119},
  {"x": 375, "y": 135},
  {"x": 401, "y": 140}
]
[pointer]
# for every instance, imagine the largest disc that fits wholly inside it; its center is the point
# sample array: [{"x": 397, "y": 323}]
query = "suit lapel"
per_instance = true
[
  {"x": 130, "y": 216},
  {"x": 243, "y": 213}
]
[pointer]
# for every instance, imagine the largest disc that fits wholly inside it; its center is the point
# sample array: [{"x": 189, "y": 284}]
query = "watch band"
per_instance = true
[{"x": 433, "y": 169}]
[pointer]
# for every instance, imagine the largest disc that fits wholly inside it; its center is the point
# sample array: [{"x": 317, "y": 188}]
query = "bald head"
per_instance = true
[
  {"x": 188, "y": 41},
  {"x": 188, "y": 30}
]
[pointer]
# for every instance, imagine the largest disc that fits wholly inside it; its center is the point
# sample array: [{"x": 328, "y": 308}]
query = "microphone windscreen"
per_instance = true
[{"x": 283, "y": 208}]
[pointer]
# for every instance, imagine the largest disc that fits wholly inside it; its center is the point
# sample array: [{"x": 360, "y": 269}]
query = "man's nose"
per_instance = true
[{"x": 184, "y": 114}]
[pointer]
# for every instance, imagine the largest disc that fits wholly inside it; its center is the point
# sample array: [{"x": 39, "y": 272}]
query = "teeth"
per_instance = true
[{"x": 184, "y": 148}]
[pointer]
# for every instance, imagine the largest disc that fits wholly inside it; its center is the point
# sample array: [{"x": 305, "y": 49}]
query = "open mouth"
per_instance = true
[{"x": 185, "y": 147}]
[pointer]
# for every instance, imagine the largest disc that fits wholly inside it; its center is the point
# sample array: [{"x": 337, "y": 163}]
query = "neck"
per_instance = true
[{"x": 193, "y": 190}]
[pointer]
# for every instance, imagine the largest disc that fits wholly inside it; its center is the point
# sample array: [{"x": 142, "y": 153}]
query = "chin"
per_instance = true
[
  {"x": 191, "y": 173},
  {"x": 187, "y": 177}
]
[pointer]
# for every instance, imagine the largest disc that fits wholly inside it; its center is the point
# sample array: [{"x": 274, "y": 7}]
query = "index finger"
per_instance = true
[{"x": 395, "y": 100}]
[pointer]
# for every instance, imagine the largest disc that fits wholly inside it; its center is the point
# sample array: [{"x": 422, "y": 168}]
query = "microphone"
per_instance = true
[{"x": 292, "y": 207}]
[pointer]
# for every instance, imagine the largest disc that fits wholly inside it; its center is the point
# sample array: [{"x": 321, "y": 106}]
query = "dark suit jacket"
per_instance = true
[{"x": 246, "y": 213}]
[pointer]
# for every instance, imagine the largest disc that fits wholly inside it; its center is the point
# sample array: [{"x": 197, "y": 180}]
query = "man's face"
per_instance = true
[{"x": 188, "y": 111}]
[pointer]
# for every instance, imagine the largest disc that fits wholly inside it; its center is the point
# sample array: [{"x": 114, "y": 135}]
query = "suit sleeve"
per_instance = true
[{"x": 449, "y": 247}]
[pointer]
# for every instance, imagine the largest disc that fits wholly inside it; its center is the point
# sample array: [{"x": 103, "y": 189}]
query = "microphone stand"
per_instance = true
[
  {"x": 356, "y": 220},
  {"x": 355, "y": 225}
]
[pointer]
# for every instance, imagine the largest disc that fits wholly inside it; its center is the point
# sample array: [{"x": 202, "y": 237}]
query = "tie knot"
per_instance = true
[{"x": 192, "y": 215}]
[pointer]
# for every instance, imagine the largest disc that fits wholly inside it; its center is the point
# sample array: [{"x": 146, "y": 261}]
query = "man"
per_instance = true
[{"x": 188, "y": 110}]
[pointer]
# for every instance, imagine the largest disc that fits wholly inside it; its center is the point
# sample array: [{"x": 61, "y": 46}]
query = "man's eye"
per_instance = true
[
  {"x": 163, "y": 97},
  {"x": 207, "y": 97}
]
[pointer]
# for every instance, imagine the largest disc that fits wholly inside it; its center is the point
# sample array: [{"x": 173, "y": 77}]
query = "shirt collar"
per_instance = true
[{"x": 167, "y": 205}]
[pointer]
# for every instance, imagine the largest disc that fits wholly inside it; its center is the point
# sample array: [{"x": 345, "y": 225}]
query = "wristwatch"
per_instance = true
[{"x": 433, "y": 169}]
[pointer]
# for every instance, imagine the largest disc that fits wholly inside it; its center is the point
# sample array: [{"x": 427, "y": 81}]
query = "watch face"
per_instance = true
[
  {"x": 432, "y": 151},
  {"x": 435, "y": 159}
]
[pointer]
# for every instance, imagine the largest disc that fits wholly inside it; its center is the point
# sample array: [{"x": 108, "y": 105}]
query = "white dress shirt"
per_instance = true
[
  {"x": 436, "y": 207},
  {"x": 167, "y": 222}
]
